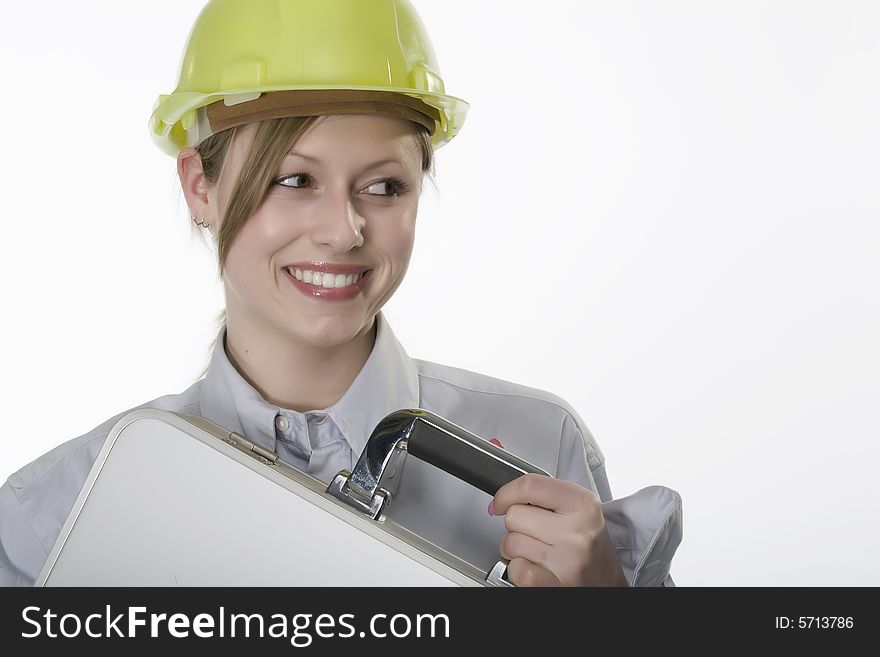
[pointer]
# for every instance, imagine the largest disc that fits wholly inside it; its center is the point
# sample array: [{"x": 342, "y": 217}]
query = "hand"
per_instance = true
[{"x": 556, "y": 534}]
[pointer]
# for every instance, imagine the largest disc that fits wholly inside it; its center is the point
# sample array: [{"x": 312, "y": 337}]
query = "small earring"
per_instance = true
[{"x": 200, "y": 222}]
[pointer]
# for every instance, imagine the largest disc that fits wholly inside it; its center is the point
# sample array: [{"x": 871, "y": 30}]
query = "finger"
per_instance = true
[
  {"x": 515, "y": 545},
  {"x": 547, "y": 526},
  {"x": 540, "y": 490},
  {"x": 523, "y": 572},
  {"x": 570, "y": 564}
]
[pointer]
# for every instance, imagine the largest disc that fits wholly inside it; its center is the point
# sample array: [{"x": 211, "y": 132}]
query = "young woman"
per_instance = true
[{"x": 303, "y": 159}]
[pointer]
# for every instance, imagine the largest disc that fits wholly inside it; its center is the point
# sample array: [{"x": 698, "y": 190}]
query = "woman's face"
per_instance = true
[{"x": 332, "y": 240}]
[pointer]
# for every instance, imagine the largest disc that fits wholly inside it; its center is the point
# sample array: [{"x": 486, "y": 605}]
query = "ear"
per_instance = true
[{"x": 194, "y": 184}]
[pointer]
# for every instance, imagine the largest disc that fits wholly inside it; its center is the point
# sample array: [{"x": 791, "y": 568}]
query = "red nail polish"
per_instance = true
[
  {"x": 492, "y": 508},
  {"x": 497, "y": 443}
]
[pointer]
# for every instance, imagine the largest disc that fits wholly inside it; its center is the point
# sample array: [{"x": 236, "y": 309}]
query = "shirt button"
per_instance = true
[{"x": 281, "y": 422}]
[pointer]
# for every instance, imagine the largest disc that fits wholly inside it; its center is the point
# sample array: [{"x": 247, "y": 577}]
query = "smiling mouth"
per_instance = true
[{"x": 325, "y": 279}]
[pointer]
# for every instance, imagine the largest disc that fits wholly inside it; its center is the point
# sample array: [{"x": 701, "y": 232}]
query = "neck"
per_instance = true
[{"x": 292, "y": 375}]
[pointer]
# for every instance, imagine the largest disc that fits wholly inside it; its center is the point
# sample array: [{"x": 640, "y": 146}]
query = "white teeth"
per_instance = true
[{"x": 320, "y": 279}]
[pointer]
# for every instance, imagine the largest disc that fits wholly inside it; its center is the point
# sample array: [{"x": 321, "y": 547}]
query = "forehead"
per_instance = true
[
  {"x": 374, "y": 127},
  {"x": 351, "y": 137}
]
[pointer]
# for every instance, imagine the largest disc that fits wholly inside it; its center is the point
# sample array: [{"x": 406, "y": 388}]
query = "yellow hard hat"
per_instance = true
[{"x": 250, "y": 60}]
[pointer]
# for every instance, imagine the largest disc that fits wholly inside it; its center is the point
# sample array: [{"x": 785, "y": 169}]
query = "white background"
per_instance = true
[{"x": 666, "y": 213}]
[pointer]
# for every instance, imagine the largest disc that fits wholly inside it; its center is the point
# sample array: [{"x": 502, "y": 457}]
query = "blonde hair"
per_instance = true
[{"x": 272, "y": 142}]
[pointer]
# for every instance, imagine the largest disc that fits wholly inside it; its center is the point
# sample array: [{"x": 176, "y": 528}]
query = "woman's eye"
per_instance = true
[
  {"x": 388, "y": 187},
  {"x": 391, "y": 187},
  {"x": 294, "y": 177}
]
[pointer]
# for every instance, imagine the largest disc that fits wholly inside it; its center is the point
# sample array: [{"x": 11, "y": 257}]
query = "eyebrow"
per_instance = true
[{"x": 373, "y": 165}]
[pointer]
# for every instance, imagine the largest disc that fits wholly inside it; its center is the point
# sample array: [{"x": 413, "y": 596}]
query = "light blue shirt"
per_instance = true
[{"x": 535, "y": 425}]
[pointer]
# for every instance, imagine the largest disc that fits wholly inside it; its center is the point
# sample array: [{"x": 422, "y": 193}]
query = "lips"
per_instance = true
[
  {"x": 327, "y": 267},
  {"x": 320, "y": 292}
]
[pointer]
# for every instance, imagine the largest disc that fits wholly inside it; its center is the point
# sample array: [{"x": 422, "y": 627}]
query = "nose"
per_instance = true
[{"x": 337, "y": 223}]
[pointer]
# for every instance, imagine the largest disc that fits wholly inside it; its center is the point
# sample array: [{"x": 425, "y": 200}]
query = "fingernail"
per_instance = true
[
  {"x": 492, "y": 508},
  {"x": 497, "y": 443}
]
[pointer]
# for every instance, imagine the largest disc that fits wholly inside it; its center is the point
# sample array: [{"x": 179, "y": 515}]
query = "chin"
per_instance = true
[{"x": 330, "y": 334}]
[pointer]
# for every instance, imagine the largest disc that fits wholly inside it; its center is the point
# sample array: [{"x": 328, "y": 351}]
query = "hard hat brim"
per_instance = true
[
  {"x": 280, "y": 104},
  {"x": 187, "y": 118}
]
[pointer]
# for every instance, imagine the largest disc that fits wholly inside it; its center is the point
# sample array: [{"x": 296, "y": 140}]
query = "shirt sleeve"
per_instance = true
[
  {"x": 21, "y": 553},
  {"x": 580, "y": 460},
  {"x": 645, "y": 527}
]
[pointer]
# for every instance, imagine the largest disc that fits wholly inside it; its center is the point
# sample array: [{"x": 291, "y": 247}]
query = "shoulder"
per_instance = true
[
  {"x": 487, "y": 389},
  {"x": 46, "y": 488},
  {"x": 538, "y": 425}
]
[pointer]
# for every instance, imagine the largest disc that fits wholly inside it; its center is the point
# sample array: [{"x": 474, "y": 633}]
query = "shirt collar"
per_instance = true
[{"x": 387, "y": 382}]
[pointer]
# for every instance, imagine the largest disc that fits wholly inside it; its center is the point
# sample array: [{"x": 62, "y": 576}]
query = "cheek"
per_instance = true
[
  {"x": 252, "y": 252},
  {"x": 395, "y": 238},
  {"x": 261, "y": 236},
  {"x": 272, "y": 225}
]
